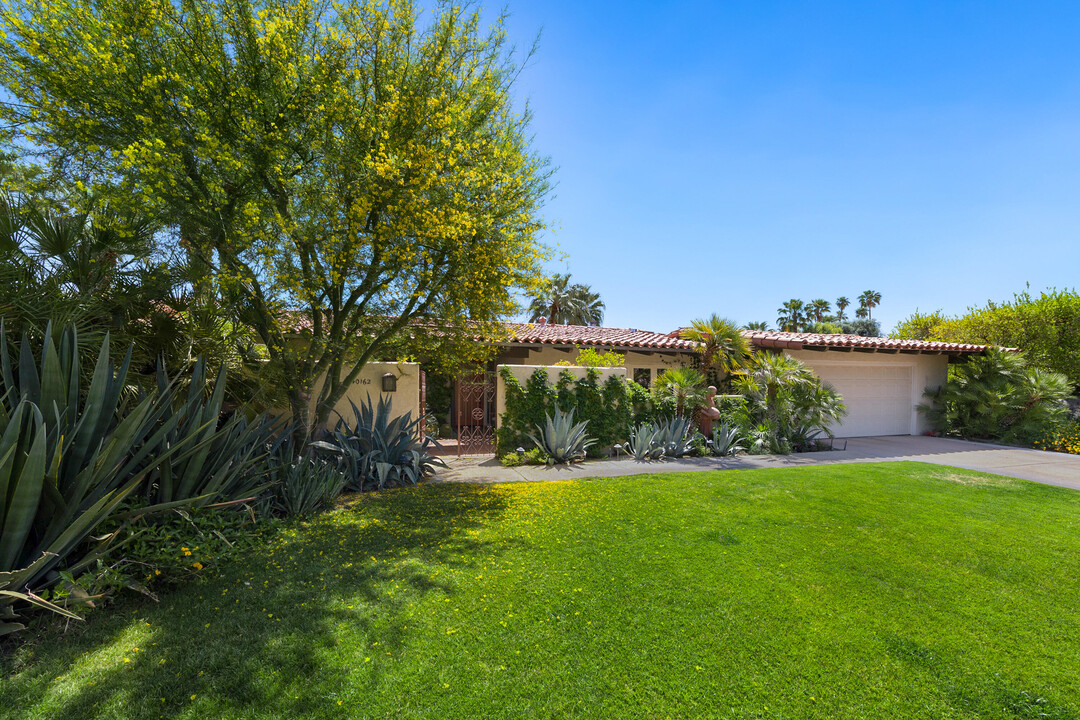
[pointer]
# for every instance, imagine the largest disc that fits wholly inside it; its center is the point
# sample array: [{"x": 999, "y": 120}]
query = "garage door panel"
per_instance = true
[{"x": 878, "y": 397}]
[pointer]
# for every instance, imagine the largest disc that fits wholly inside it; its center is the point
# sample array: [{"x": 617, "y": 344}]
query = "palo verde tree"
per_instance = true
[{"x": 348, "y": 170}]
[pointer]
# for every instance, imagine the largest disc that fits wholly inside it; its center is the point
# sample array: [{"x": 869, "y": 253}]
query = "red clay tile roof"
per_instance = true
[
  {"x": 798, "y": 341},
  {"x": 534, "y": 333}
]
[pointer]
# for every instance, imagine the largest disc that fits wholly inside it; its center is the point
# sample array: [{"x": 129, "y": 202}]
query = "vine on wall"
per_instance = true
[{"x": 608, "y": 407}]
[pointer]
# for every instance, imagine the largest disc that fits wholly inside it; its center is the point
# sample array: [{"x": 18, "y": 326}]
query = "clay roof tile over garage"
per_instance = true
[
  {"x": 815, "y": 341},
  {"x": 545, "y": 334}
]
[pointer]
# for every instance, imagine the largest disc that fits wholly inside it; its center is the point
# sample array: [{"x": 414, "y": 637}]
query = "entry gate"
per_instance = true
[{"x": 474, "y": 401}]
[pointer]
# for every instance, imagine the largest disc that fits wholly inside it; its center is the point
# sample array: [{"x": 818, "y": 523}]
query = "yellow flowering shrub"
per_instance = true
[
  {"x": 1065, "y": 438},
  {"x": 344, "y": 173}
]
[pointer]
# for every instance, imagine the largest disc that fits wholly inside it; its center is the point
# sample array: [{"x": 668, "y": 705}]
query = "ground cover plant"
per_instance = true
[{"x": 894, "y": 590}]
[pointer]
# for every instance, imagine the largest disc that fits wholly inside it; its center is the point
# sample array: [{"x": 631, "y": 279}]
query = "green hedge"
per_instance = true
[{"x": 609, "y": 406}]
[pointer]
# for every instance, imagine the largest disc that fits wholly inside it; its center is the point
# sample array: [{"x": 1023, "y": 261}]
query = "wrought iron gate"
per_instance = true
[{"x": 474, "y": 400}]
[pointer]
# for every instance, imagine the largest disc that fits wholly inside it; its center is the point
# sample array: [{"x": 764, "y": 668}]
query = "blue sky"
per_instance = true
[{"x": 726, "y": 156}]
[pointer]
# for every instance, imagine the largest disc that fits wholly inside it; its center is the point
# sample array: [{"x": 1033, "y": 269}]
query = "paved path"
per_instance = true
[{"x": 1044, "y": 467}]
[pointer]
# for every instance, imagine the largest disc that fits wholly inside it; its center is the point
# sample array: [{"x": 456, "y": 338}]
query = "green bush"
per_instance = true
[
  {"x": 1046, "y": 328},
  {"x": 998, "y": 396},
  {"x": 74, "y": 455},
  {"x": 533, "y": 456},
  {"x": 787, "y": 405},
  {"x": 608, "y": 407}
]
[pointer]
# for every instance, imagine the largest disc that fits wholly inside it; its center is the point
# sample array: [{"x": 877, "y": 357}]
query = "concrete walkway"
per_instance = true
[{"x": 1036, "y": 465}]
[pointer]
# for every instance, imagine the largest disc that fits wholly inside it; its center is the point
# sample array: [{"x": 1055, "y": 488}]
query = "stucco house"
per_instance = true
[{"x": 881, "y": 379}]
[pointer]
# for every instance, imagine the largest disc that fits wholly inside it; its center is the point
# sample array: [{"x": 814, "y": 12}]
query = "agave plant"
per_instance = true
[
  {"x": 68, "y": 458},
  {"x": 222, "y": 462},
  {"x": 380, "y": 449},
  {"x": 727, "y": 440},
  {"x": 676, "y": 437},
  {"x": 561, "y": 439},
  {"x": 644, "y": 444}
]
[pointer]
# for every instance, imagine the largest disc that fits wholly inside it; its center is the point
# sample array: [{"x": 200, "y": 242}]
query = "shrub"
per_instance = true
[
  {"x": 68, "y": 458},
  {"x": 727, "y": 439},
  {"x": 607, "y": 407},
  {"x": 302, "y": 482},
  {"x": 1046, "y": 327},
  {"x": 533, "y": 456},
  {"x": 998, "y": 396},
  {"x": 224, "y": 460},
  {"x": 1064, "y": 438},
  {"x": 786, "y": 403},
  {"x": 682, "y": 389},
  {"x": 644, "y": 442}
]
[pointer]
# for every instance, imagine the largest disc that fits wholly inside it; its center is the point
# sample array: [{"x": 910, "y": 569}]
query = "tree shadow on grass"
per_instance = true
[{"x": 277, "y": 633}]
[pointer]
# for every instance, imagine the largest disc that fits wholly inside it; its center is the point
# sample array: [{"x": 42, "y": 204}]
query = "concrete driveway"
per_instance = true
[{"x": 1036, "y": 465}]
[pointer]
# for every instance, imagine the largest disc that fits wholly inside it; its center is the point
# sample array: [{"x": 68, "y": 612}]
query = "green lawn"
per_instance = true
[{"x": 895, "y": 590}]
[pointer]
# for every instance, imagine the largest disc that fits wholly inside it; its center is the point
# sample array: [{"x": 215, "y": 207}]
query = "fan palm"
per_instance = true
[
  {"x": 791, "y": 316},
  {"x": 682, "y": 387},
  {"x": 819, "y": 308},
  {"x": 724, "y": 347},
  {"x": 756, "y": 325},
  {"x": 841, "y": 305},
  {"x": 869, "y": 299},
  {"x": 563, "y": 303}
]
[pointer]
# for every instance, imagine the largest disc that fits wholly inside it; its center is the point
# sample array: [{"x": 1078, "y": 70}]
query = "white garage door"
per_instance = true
[{"x": 878, "y": 397}]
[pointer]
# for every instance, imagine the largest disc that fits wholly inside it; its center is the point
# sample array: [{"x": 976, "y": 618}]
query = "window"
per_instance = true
[{"x": 642, "y": 376}]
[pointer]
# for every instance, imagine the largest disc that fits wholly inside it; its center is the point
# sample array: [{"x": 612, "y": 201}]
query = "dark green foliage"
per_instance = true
[
  {"x": 607, "y": 407},
  {"x": 785, "y": 404},
  {"x": 306, "y": 485},
  {"x": 861, "y": 326},
  {"x": 376, "y": 449},
  {"x": 72, "y": 452},
  {"x": 998, "y": 396},
  {"x": 68, "y": 457}
]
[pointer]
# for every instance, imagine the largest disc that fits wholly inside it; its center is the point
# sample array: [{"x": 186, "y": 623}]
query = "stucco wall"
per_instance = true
[
  {"x": 523, "y": 372},
  {"x": 368, "y": 386},
  {"x": 927, "y": 372}
]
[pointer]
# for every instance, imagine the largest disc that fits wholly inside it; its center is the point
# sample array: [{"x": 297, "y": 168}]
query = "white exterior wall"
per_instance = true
[
  {"x": 837, "y": 367},
  {"x": 522, "y": 373}
]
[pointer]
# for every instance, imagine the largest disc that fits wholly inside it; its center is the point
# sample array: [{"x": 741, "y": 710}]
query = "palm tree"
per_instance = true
[
  {"x": 841, "y": 305},
  {"x": 682, "y": 387},
  {"x": 861, "y": 312},
  {"x": 819, "y": 308},
  {"x": 592, "y": 305},
  {"x": 790, "y": 316},
  {"x": 869, "y": 300},
  {"x": 758, "y": 325},
  {"x": 724, "y": 347},
  {"x": 565, "y": 304}
]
